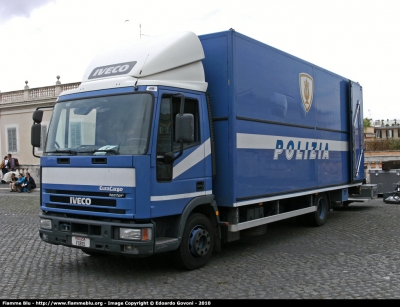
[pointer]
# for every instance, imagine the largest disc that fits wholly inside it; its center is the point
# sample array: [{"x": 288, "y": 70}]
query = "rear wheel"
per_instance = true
[
  {"x": 319, "y": 217},
  {"x": 197, "y": 243}
]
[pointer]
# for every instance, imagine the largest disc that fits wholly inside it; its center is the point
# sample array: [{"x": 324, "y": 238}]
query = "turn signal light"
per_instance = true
[{"x": 146, "y": 234}]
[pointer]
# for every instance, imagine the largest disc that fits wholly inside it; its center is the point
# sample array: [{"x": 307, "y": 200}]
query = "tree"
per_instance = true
[{"x": 367, "y": 122}]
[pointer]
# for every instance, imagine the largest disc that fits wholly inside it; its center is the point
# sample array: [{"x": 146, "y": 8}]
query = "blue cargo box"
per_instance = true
[{"x": 282, "y": 125}]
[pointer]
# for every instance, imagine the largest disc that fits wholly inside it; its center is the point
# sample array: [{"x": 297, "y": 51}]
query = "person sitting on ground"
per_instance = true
[
  {"x": 18, "y": 184},
  {"x": 13, "y": 179},
  {"x": 29, "y": 183}
]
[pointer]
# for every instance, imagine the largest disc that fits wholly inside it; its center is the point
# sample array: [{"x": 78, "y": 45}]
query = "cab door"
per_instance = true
[
  {"x": 357, "y": 133},
  {"x": 175, "y": 184}
]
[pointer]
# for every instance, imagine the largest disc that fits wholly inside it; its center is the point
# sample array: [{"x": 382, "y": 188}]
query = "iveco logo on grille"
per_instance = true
[{"x": 80, "y": 200}]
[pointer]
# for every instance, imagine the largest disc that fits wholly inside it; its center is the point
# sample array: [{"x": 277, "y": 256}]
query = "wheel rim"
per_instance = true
[
  {"x": 199, "y": 242},
  {"x": 321, "y": 211}
]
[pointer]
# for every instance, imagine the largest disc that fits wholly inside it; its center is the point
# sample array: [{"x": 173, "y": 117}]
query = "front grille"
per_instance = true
[
  {"x": 86, "y": 208},
  {"x": 94, "y": 201},
  {"x": 85, "y": 201}
]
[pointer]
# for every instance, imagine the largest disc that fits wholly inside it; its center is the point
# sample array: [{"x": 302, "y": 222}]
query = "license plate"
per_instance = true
[{"x": 81, "y": 241}]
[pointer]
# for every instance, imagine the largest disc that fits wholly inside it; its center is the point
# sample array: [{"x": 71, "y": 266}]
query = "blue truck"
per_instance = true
[{"x": 180, "y": 143}]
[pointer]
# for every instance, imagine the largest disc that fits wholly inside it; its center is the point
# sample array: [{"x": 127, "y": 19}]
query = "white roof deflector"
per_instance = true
[{"x": 170, "y": 60}]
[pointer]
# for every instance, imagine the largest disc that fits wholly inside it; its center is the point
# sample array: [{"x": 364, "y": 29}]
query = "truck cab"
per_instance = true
[{"x": 128, "y": 154}]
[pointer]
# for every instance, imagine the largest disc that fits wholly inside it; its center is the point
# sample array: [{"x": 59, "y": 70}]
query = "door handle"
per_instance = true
[{"x": 200, "y": 186}]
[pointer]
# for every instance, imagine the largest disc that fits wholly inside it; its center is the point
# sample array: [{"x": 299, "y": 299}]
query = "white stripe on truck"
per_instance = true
[{"x": 115, "y": 177}]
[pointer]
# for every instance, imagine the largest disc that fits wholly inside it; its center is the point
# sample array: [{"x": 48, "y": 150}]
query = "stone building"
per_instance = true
[
  {"x": 16, "y": 110},
  {"x": 381, "y": 134}
]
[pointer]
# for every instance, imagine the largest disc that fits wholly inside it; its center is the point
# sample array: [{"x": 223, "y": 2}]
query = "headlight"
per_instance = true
[
  {"x": 135, "y": 234},
  {"x": 129, "y": 233},
  {"x": 45, "y": 223}
]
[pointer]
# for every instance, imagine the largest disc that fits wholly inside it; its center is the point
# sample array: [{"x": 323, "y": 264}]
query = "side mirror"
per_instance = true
[
  {"x": 184, "y": 129},
  {"x": 37, "y": 116},
  {"x": 35, "y": 135}
]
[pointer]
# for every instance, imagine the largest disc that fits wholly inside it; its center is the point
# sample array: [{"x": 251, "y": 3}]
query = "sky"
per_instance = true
[{"x": 357, "y": 39}]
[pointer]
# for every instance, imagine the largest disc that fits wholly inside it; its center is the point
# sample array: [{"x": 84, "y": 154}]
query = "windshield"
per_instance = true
[{"x": 118, "y": 124}]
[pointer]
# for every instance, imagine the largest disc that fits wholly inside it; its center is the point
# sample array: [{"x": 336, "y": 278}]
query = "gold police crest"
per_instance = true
[{"x": 306, "y": 90}]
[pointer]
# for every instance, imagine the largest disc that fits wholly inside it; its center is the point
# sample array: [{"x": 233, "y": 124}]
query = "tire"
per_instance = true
[
  {"x": 197, "y": 243},
  {"x": 319, "y": 217}
]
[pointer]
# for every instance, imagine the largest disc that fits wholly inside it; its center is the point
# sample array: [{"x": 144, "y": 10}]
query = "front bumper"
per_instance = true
[{"x": 103, "y": 236}]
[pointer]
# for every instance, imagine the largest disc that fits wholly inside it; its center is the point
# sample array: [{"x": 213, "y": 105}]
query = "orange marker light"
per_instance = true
[{"x": 146, "y": 234}]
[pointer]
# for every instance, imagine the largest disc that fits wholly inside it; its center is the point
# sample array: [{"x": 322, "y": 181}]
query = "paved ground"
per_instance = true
[{"x": 355, "y": 255}]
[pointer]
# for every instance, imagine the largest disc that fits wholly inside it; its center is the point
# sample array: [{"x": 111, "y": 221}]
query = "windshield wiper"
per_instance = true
[
  {"x": 115, "y": 152},
  {"x": 72, "y": 152}
]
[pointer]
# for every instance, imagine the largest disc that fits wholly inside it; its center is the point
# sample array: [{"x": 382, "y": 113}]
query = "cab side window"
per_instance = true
[{"x": 166, "y": 142}]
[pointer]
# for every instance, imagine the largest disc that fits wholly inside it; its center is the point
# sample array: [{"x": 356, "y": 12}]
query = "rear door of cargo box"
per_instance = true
[{"x": 357, "y": 133}]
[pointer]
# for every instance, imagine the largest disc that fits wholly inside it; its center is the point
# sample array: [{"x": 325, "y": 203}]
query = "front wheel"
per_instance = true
[
  {"x": 319, "y": 217},
  {"x": 197, "y": 243}
]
